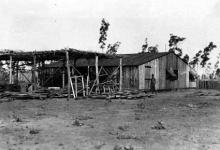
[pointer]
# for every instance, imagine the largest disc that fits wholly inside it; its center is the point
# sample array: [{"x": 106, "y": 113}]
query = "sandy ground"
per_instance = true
[{"x": 191, "y": 119}]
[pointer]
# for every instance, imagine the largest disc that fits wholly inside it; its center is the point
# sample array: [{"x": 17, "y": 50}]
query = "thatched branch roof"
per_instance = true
[{"x": 49, "y": 55}]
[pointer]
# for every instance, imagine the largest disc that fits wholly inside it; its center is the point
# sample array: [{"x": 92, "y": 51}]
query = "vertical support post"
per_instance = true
[
  {"x": 10, "y": 70},
  {"x": 69, "y": 77},
  {"x": 83, "y": 86},
  {"x": 63, "y": 75},
  {"x": 17, "y": 69},
  {"x": 76, "y": 85},
  {"x": 97, "y": 70},
  {"x": 68, "y": 72},
  {"x": 34, "y": 77},
  {"x": 43, "y": 72},
  {"x": 87, "y": 82},
  {"x": 121, "y": 76}
]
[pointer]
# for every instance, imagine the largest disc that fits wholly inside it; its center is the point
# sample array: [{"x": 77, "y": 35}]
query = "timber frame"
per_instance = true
[{"x": 38, "y": 59}]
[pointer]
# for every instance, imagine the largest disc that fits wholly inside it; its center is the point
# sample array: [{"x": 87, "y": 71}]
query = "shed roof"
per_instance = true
[{"x": 135, "y": 59}]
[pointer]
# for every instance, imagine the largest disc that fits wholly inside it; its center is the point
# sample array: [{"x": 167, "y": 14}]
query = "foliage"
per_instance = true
[
  {"x": 217, "y": 62},
  {"x": 113, "y": 48},
  {"x": 186, "y": 58},
  {"x": 153, "y": 49},
  {"x": 103, "y": 33},
  {"x": 145, "y": 46},
  {"x": 173, "y": 44},
  {"x": 206, "y": 52},
  {"x": 217, "y": 73},
  {"x": 195, "y": 59},
  {"x": 4, "y": 76},
  {"x": 216, "y": 67}
]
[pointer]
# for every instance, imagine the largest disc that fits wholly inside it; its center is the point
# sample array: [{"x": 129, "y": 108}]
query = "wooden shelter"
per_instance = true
[
  {"x": 170, "y": 71},
  {"x": 37, "y": 61}
]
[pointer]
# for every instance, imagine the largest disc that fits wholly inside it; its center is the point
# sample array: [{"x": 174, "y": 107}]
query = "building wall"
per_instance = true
[
  {"x": 159, "y": 67},
  {"x": 130, "y": 77},
  {"x": 145, "y": 74}
]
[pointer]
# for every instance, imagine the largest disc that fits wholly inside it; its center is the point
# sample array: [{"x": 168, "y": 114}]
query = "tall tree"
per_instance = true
[
  {"x": 216, "y": 66},
  {"x": 113, "y": 48},
  {"x": 145, "y": 46},
  {"x": 217, "y": 73},
  {"x": 173, "y": 44},
  {"x": 195, "y": 60},
  {"x": 186, "y": 58},
  {"x": 103, "y": 33},
  {"x": 206, "y": 52},
  {"x": 153, "y": 49}
]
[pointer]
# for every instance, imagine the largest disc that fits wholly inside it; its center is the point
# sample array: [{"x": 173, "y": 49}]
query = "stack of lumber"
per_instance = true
[
  {"x": 18, "y": 95},
  {"x": 127, "y": 94}
]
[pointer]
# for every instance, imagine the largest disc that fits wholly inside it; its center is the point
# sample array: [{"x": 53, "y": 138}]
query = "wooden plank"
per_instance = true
[
  {"x": 69, "y": 77},
  {"x": 157, "y": 74},
  {"x": 76, "y": 88},
  {"x": 83, "y": 86},
  {"x": 141, "y": 70},
  {"x": 34, "y": 73},
  {"x": 63, "y": 75},
  {"x": 87, "y": 85},
  {"x": 121, "y": 77},
  {"x": 10, "y": 70},
  {"x": 25, "y": 77},
  {"x": 97, "y": 69}
]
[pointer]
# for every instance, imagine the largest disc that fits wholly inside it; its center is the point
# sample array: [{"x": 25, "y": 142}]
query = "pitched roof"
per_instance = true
[{"x": 135, "y": 59}]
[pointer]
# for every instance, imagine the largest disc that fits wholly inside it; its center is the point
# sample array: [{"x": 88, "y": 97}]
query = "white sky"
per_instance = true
[{"x": 55, "y": 24}]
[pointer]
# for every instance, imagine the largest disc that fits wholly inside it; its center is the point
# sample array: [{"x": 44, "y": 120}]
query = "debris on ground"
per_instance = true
[
  {"x": 117, "y": 147},
  {"x": 77, "y": 123},
  {"x": 34, "y": 131},
  {"x": 137, "y": 118},
  {"x": 159, "y": 126},
  {"x": 141, "y": 106},
  {"x": 84, "y": 117},
  {"x": 123, "y": 128},
  {"x": 90, "y": 125},
  {"x": 203, "y": 104},
  {"x": 16, "y": 118},
  {"x": 40, "y": 114},
  {"x": 130, "y": 147},
  {"x": 113, "y": 133},
  {"x": 99, "y": 146},
  {"x": 194, "y": 106},
  {"x": 127, "y": 136},
  {"x": 126, "y": 94}
]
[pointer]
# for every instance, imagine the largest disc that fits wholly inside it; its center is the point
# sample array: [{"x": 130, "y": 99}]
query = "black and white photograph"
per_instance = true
[{"x": 109, "y": 75}]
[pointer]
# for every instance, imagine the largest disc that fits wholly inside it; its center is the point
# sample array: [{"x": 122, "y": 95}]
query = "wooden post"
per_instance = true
[
  {"x": 17, "y": 69},
  {"x": 63, "y": 75},
  {"x": 34, "y": 73},
  {"x": 83, "y": 86},
  {"x": 68, "y": 72},
  {"x": 69, "y": 77},
  {"x": 43, "y": 72},
  {"x": 76, "y": 85},
  {"x": 10, "y": 70},
  {"x": 97, "y": 70},
  {"x": 87, "y": 83},
  {"x": 121, "y": 76}
]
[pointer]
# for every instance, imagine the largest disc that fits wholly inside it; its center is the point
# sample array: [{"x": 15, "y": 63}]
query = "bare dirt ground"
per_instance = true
[{"x": 181, "y": 120}]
